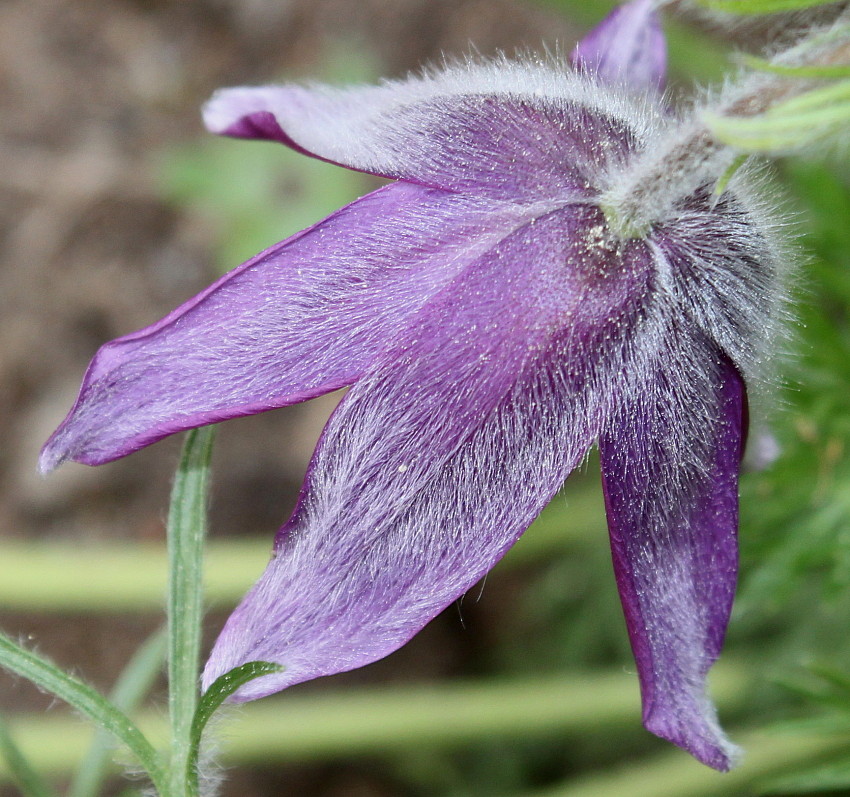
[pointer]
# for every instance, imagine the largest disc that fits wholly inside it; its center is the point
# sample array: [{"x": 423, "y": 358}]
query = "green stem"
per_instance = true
[
  {"x": 87, "y": 701},
  {"x": 186, "y": 533}
]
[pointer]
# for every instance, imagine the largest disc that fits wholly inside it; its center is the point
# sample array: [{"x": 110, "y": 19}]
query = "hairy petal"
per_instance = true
[
  {"x": 503, "y": 130},
  {"x": 301, "y": 319},
  {"x": 440, "y": 457},
  {"x": 627, "y": 47},
  {"x": 670, "y": 458},
  {"x": 724, "y": 270}
]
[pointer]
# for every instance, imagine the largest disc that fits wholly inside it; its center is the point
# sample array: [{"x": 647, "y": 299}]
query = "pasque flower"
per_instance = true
[{"x": 494, "y": 318}]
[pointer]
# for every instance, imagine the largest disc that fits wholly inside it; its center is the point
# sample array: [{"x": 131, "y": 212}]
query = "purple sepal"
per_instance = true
[
  {"x": 627, "y": 47},
  {"x": 301, "y": 319},
  {"x": 444, "y": 452},
  {"x": 670, "y": 459},
  {"x": 516, "y": 133}
]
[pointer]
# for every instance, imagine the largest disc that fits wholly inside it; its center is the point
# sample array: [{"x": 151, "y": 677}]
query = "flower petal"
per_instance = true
[
  {"x": 301, "y": 319},
  {"x": 504, "y": 130},
  {"x": 724, "y": 269},
  {"x": 670, "y": 459},
  {"x": 627, "y": 47},
  {"x": 440, "y": 457}
]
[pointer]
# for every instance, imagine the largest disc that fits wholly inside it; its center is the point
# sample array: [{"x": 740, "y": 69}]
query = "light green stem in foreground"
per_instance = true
[
  {"x": 389, "y": 720},
  {"x": 130, "y": 689},
  {"x": 85, "y": 700},
  {"x": 186, "y": 534},
  {"x": 118, "y": 577}
]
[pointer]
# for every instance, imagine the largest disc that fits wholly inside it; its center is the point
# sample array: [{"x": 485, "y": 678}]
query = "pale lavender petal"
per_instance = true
[
  {"x": 627, "y": 47},
  {"x": 441, "y": 456},
  {"x": 503, "y": 130},
  {"x": 670, "y": 459},
  {"x": 301, "y": 319}
]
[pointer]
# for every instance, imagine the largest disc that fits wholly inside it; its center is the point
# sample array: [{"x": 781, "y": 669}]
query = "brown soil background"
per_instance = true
[{"x": 90, "y": 250}]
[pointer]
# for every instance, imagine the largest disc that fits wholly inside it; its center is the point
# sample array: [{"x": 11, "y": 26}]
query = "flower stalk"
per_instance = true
[{"x": 186, "y": 535}]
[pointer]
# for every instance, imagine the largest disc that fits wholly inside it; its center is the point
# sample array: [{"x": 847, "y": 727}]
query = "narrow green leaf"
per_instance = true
[
  {"x": 825, "y": 72},
  {"x": 723, "y": 182},
  {"x": 832, "y": 776},
  {"x": 672, "y": 774},
  {"x": 186, "y": 534},
  {"x": 132, "y": 686},
  {"x": 759, "y": 6},
  {"x": 87, "y": 701},
  {"x": 26, "y": 778},
  {"x": 838, "y": 679},
  {"x": 793, "y": 124},
  {"x": 223, "y": 686}
]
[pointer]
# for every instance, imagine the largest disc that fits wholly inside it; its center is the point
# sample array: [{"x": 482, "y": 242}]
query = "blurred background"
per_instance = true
[{"x": 116, "y": 207}]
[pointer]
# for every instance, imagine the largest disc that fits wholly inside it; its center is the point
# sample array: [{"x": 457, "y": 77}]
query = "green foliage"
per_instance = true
[
  {"x": 817, "y": 116},
  {"x": 754, "y": 7},
  {"x": 797, "y": 513},
  {"x": 26, "y": 778},
  {"x": 131, "y": 688},
  {"x": 251, "y": 195},
  {"x": 691, "y": 55},
  {"x": 826, "y": 72},
  {"x": 87, "y": 701},
  {"x": 222, "y": 688},
  {"x": 795, "y": 516}
]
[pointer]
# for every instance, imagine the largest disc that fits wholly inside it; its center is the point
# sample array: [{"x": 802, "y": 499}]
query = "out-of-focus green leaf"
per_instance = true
[
  {"x": 27, "y": 779},
  {"x": 691, "y": 55},
  {"x": 130, "y": 689},
  {"x": 826, "y": 777},
  {"x": 760, "y": 6},
  {"x": 672, "y": 774},
  {"x": 817, "y": 115},
  {"x": 115, "y": 577},
  {"x": 252, "y": 194},
  {"x": 825, "y": 72},
  {"x": 87, "y": 701},
  {"x": 394, "y": 719}
]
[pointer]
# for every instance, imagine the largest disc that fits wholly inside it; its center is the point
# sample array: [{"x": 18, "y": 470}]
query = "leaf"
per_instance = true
[
  {"x": 826, "y": 777},
  {"x": 222, "y": 688},
  {"x": 815, "y": 115},
  {"x": 85, "y": 700},
  {"x": 132, "y": 685},
  {"x": 27, "y": 779},
  {"x": 758, "y": 6},
  {"x": 825, "y": 72}
]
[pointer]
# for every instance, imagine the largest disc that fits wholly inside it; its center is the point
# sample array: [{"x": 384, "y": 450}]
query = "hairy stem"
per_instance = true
[{"x": 690, "y": 155}]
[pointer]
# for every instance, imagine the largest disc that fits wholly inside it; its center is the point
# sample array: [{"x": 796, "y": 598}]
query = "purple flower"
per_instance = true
[{"x": 492, "y": 327}]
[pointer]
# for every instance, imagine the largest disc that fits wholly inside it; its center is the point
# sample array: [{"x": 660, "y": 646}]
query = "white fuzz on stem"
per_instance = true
[{"x": 690, "y": 156}]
